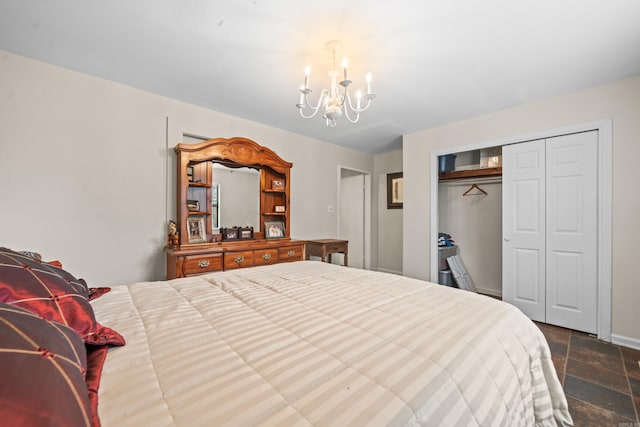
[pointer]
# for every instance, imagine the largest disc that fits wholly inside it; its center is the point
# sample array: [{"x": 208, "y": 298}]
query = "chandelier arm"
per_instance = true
[
  {"x": 309, "y": 116},
  {"x": 323, "y": 94},
  {"x": 347, "y": 107},
  {"x": 307, "y": 104},
  {"x": 346, "y": 114},
  {"x": 365, "y": 107},
  {"x": 358, "y": 110}
]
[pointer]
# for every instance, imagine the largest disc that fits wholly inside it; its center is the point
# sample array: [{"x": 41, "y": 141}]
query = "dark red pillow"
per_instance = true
[
  {"x": 96, "y": 356},
  {"x": 42, "y": 367},
  {"x": 95, "y": 293},
  {"x": 53, "y": 294}
]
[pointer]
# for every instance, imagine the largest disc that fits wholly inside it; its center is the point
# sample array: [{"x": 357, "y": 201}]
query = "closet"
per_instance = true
[
  {"x": 470, "y": 210},
  {"x": 530, "y": 235},
  {"x": 550, "y": 229}
]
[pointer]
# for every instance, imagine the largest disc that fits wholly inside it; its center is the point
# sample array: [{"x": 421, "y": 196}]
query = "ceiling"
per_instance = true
[{"x": 433, "y": 62}]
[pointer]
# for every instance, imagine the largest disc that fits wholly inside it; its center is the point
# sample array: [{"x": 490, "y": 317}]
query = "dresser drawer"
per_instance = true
[
  {"x": 265, "y": 256},
  {"x": 290, "y": 253},
  {"x": 238, "y": 259},
  {"x": 199, "y": 264}
]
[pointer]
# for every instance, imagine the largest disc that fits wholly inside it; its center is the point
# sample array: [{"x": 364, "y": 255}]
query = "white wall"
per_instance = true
[
  {"x": 389, "y": 221},
  {"x": 87, "y": 169},
  {"x": 619, "y": 101}
]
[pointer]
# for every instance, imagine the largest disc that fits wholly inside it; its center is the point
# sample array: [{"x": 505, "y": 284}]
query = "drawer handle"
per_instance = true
[
  {"x": 291, "y": 253},
  {"x": 204, "y": 263},
  {"x": 266, "y": 256},
  {"x": 239, "y": 259}
]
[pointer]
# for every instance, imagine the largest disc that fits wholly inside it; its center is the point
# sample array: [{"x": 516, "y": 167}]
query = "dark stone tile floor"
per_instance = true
[{"x": 601, "y": 380}]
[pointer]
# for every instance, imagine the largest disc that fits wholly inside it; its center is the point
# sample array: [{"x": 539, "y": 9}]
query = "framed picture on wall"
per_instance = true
[
  {"x": 394, "y": 190},
  {"x": 196, "y": 229}
]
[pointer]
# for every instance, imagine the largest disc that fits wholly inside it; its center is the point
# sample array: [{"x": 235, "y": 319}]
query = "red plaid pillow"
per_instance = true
[
  {"x": 42, "y": 366},
  {"x": 53, "y": 294}
]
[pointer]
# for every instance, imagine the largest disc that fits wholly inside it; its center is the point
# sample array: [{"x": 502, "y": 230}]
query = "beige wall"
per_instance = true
[
  {"x": 619, "y": 101},
  {"x": 388, "y": 233},
  {"x": 87, "y": 171}
]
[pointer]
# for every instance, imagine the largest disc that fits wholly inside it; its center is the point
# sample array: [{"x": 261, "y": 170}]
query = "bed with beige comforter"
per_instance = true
[{"x": 310, "y": 343}]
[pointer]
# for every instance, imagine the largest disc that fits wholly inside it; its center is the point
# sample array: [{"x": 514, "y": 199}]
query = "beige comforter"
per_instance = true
[{"x": 309, "y": 343}]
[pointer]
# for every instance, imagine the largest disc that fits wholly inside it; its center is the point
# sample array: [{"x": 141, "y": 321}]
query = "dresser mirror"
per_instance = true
[{"x": 235, "y": 197}]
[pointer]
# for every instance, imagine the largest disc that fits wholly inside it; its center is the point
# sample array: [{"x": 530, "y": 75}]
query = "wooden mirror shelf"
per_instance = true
[{"x": 199, "y": 248}]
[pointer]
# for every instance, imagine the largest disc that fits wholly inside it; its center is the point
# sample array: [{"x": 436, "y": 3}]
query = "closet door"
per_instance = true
[
  {"x": 572, "y": 224},
  {"x": 550, "y": 214},
  {"x": 523, "y": 222}
]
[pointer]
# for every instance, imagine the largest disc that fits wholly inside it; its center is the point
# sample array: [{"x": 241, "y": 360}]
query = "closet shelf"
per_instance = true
[{"x": 472, "y": 173}]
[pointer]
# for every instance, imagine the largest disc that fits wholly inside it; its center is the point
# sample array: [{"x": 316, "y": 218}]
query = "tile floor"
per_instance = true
[{"x": 601, "y": 380}]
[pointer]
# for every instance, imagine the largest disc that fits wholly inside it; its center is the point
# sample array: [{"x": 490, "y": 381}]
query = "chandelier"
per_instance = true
[{"x": 335, "y": 100}]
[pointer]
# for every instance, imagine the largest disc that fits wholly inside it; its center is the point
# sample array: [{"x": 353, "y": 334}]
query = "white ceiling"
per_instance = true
[{"x": 433, "y": 62}]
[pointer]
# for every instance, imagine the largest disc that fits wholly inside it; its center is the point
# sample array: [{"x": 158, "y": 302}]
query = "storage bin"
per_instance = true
[
  {"x": 491, "y": 157},
  {"x": 447, "y": 162},
  {"x": 445, "y": 278},
  {"x": 445, "y": 252}
]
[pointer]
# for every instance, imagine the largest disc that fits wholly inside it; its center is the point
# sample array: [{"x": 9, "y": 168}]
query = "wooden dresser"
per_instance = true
[
  {"x": 199, "y": 247},
  {"x": 226, "y": 256}
]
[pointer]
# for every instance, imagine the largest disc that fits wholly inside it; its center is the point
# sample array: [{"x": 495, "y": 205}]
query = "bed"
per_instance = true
[{"x": 311, "y": 343}]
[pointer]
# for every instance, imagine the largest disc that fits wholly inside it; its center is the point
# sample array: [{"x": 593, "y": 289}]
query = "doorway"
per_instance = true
[
  {"x": 354, "y": 215},
  {"x": 604, "y": 161}
]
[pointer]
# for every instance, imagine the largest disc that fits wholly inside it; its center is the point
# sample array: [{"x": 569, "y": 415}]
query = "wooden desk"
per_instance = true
[{"x": 325, "y": 247}]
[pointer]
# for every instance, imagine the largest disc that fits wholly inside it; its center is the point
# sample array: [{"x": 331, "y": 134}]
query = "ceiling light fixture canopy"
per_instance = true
[{"x": 336, "y": 99}]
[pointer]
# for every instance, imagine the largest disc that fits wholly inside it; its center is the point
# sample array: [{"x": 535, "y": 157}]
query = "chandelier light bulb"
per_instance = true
[
  {"x": 307, "y": 72},
  {"x": 344, "y": 67}
]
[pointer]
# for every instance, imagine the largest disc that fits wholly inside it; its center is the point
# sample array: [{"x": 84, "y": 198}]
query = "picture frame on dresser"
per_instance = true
[
  {"x": 193, "y": 205},
  {"x": 277, "y": 184},
  {"x": 230, "y": 233},
  {"x": 197, "y": 229},
  {"x": 246, "y": 233},
  {"x": 273, "y": 229}
]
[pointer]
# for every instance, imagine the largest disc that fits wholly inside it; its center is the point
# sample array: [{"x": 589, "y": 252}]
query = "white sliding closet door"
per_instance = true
[
  {"x": 550, "y": 229},
  {"x": 572, "y": 231},
  {"x": 523, "y": 222}
]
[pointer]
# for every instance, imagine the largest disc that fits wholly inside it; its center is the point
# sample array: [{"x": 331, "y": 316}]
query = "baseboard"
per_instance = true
[
  {"x": 384, "y": 270},
  {"x": 625, "y": 341},
  {"x": 491, "y": 292}
]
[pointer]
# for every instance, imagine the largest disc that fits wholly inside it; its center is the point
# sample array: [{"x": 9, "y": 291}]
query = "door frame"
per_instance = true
[
  {"x": 367, "y": 210},
  {"x": 604, "y": 128}
]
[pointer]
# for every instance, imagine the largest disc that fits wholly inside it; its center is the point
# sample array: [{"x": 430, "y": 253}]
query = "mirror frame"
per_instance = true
[{"x": 236, "y": 151}]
